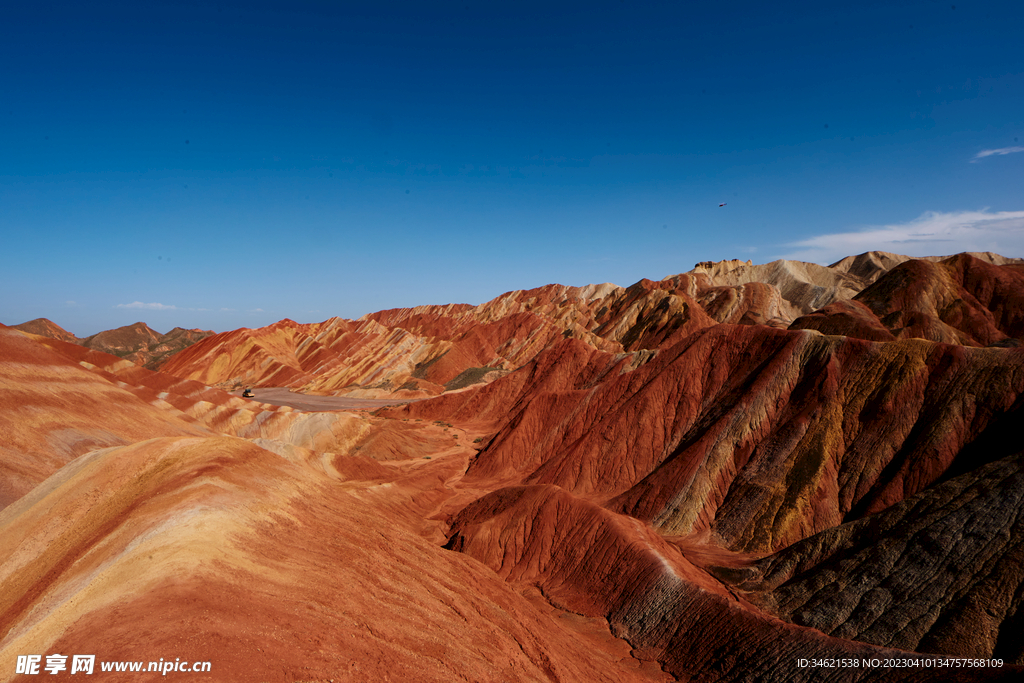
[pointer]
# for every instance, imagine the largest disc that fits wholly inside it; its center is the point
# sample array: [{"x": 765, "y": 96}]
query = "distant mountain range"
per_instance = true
[
  {"x": 137, "y": 342},
  {"x": 969, "y": 299}
]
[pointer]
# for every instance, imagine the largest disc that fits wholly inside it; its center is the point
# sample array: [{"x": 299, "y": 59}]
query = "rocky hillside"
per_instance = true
[
  {"x": 428, "y": 350},
  {"x": 672, "y": 481},
  {"x": 137, "y": 342},
  {"x": 959, "y": 300}
]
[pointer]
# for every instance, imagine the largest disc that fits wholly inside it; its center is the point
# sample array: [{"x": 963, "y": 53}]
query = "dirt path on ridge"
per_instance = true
[{"x": 282, "y": 396}]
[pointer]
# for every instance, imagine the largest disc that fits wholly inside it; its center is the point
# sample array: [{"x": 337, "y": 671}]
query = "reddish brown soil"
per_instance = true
[
  {"x": 634, "y": 491},
  {"x": 137, "y": 342},
  {"x": 962, "y": 300}
]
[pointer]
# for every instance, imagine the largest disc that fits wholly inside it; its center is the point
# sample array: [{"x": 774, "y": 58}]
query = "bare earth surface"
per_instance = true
[{"x": 642, "y": 485}]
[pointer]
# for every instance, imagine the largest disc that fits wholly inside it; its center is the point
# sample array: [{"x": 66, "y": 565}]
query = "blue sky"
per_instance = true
[{"x": 221, "y": 165}]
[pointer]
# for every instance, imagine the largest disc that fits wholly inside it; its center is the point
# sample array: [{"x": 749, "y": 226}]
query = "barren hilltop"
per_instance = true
[
  {"x": 137, "y": 342},
  {"x": 709, "y": 477}
]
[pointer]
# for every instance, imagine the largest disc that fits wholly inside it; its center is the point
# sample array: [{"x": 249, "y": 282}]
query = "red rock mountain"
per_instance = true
[
  {"x": 47, "y": 328},
  {"x": 654, "y": 483},
  {"x": 425, "y": 351},
  {"x": 960, "y": 300},
  {"x": 137, "y": 342}
]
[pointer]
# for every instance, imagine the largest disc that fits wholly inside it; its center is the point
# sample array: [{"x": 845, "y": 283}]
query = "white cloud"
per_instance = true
[
  {"x": 70, "y": 303},
  {"x": 256, "y": 310},
  {"x": 992, "y": 152},
  {"x": 931, "y": 234},
  {"x": 148, "y": 307}
]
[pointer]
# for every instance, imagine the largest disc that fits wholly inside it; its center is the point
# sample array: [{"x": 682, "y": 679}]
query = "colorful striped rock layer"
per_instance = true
[{"x": 668, "y": 482}]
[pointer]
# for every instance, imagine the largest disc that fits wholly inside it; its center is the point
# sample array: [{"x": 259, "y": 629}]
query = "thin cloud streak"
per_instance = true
[
  {"x": 148, "y": 307},
  {"x": 996, "y": 152},
  {"x": 932, "y": 234},
  {"x": 162, "y": 307}
]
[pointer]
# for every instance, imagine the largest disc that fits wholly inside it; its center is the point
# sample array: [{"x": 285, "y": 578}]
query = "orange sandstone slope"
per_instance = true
[
  {"x": 758, "y": 436},
  {"x": 427, "y": 350},
  {"x": 137, "y": 342},
  {"x": 47, "y": 328},
  {"x": 306, "y": 564},
  {"x": 305, "y": 552},
  {"x": 62, "y": 400},
  {"x": 213, "y": 549},
  {"x": 52, "y": 410},
  {"x": 637, "y": 493},
  {"x": 960, "y": 300},
  {"x": 739, "y": 441}
]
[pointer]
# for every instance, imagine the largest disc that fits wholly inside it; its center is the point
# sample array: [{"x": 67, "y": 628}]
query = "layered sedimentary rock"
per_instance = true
[
  {"x": 872, "y": 265},
  {"x": 61, "y": 400},
  {"x": 47, "y": 328},
  {"x": 138, "y": 342},
  {"x": 598, "y": 563},
  {"x": 53, "y": 410},
  {"x": 644, "y": 484},
  {"x": 759, "y": 436},
  {"x": 177, "y": 547},
  {"x": 803, "y": 286},
  {"x": 123, "y": 341},
  {"x": 317, "y": 527},
  {"x": 887, "y": 579},
  {"x": 960, "y": 300},
  {"x": 427, "y": 350},
  {"x": 785, "y": 290}
]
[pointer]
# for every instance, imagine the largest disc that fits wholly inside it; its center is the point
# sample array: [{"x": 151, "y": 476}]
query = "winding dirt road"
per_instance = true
[{"x": 282, "y": 396}]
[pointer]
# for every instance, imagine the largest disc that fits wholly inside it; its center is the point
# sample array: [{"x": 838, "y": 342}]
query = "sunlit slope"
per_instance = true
[
  {"x": 612, "y": 485},
  {"x": 961, "y": 300},
  {"x": 63, "y": 400},
  {"x": 427, "y": 350},
  {"x": 759, "y": 436},
  {"x": 214, "y": 549},
  {"x": 52, "y": 410},
  {"x": 596, "y": 562}
]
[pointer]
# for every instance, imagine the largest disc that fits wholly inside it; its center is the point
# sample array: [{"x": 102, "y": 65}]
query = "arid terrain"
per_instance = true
[
  {"x": 710, "y": 477},
  {"x": 138, "y": 342}
]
